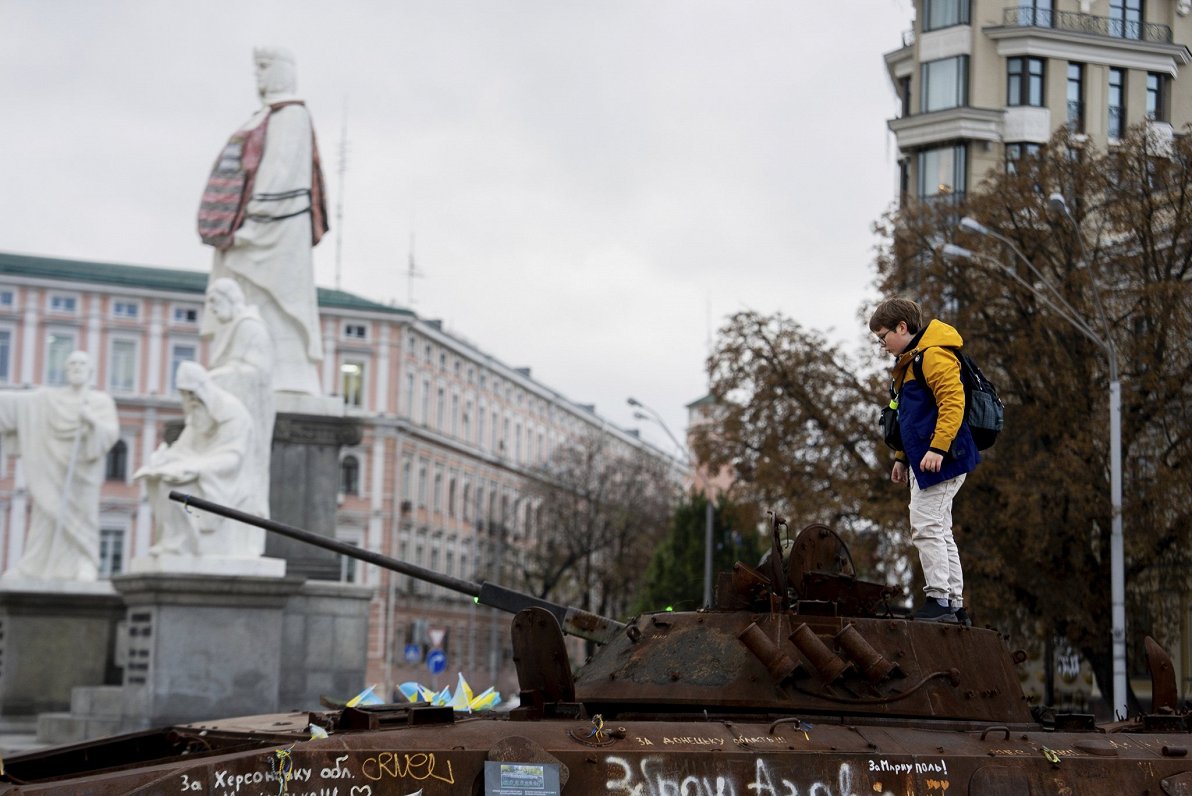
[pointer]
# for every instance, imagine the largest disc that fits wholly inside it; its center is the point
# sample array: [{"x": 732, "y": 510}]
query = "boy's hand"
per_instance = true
[
  {"x": 932, "y": 462},
  {"x": 898, "y": 474}
]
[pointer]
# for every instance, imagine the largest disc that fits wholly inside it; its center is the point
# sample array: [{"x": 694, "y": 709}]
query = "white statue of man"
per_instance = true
[
  {"x": 63, "y": 434},
  {"x": 206, "y": 461},
  {"x": 241, "y": 362},
  {"x": 263, "y": 211}
]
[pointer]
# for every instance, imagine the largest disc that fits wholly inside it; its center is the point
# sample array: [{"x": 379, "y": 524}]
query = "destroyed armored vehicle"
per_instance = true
[{"x": 799, "y": 680}]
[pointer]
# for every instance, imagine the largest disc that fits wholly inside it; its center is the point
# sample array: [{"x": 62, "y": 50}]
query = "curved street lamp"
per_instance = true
[
  {"x": 1104, "y": 341},
  {"x": 646, "y": 413}
]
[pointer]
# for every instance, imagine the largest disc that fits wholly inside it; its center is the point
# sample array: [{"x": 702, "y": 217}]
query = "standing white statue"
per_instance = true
[
  {"x": 241, "y": 362},
  {"x": 206, "y": 461},
  {"x": 263, "y": 211},
  {"x": 63, "y": 434}
]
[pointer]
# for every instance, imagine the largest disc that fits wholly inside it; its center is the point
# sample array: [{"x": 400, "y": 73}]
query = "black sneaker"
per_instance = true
[
  {"x": 932, "y": 611},
  {"x": 963, "y": 618}
]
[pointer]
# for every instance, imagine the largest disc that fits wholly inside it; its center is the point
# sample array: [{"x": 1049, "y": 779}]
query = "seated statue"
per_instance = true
[{"x": 206, "y": 461}]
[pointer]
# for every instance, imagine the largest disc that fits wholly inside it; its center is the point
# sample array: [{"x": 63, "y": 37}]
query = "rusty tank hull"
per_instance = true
[
  {"x": 427, "y": 751},
  {"x": 801, "y": 680}
]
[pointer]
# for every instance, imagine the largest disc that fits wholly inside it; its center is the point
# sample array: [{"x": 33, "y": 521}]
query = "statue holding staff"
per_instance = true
[{"x": 63, "y": 435}]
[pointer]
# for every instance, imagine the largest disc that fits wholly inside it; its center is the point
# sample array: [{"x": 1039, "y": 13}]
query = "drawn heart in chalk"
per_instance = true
[{"x": 361, "y": 790}]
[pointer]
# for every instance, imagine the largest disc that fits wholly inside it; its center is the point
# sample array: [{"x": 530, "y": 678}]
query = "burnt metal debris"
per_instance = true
[{"x": 800, "y": 679}]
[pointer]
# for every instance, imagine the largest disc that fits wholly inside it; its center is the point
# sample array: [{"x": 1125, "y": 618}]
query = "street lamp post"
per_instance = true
[
  {"x": 647, "y": 413},
  {"x": 1104, "y": 341}
]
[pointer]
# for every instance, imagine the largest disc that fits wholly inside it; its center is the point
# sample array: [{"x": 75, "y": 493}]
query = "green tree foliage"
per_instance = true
[
  {"x": 593, "y": 518},
  {"x": 796, "y": 419},
  {"x": 675, "y": 575},
  {"x": 1035, "y": 517}
]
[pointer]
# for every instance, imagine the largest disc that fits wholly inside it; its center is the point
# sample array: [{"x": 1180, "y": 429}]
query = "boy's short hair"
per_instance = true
[{"x": 891, "y": 311}]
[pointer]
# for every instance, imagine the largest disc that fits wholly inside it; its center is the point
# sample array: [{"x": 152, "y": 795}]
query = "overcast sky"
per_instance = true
[{"x": 591, "y": 187}]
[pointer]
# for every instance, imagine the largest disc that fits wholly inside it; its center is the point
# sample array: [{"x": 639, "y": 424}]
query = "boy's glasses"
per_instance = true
[{"x": 881, "y": 338}]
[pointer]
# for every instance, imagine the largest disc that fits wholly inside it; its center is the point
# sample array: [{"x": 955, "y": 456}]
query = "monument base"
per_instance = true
[
  {"x": 304, "y": 488},
  {"x": 201, "y": 646},
  {"x": 54, "y": 636},
  {"x": 209, "y": 565},
  {"x": 296, "y": 403}
]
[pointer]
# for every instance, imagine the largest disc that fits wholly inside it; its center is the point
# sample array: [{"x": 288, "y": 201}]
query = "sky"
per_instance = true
[{"x": 589, "y": 188}]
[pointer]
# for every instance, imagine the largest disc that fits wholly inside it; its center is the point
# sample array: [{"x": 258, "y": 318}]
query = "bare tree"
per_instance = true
[{"x": 597, "y": 512}]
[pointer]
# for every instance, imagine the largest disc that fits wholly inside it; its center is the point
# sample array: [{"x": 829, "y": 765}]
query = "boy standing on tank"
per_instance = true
[{"x": 938, "y": 446}]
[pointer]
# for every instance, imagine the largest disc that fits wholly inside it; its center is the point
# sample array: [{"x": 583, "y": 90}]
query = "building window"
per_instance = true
[
  {"x": 1156, "y": 97},
  {"x": 440, "y": 408},
  {"x": 945, "y": 84},
  {"x": 1125, "y": 19},
  {"x": 1117, "y": 102},
  {"x": 111, "y": 552},
  {"x": 349, "y": 568},
  {"x": 124, "y": 308},
  {"x": 185, "y": 316},
  {"x": 451, "y": 498},
  {"x": 122, "y": 366},
  {"x": 424, "y": 418},
  {"x": 351, "y": 384},
  {"x": 6, "y": 299},
  {"x": 179, "y": 353},
  {"x": 943, "y": 171},
  {"x": 5, "y": 356},
  {"x": 1035, "y": 13},
  {"x": 1076, "y": 98},
  {"x": 1024, "y": 81},
  {"x": 58, "y": 348},
  {"x": 355, "y": 331},
  {"x": 1016, "y": 152},
  {"x": 349, "y": 476},
  {"x": 64, "y": 303},
  {"x": 944, "y": 13},
  {"x": 438, "y": 492},
  {"x": 116, "y": 468},
  {"x": 422, "y": 486}
]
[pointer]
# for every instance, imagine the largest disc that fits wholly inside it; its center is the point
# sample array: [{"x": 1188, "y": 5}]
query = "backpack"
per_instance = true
[{"x": 984, "y": 411}]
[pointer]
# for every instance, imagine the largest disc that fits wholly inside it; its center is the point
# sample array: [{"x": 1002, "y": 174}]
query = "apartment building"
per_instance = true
[
  {"x": 450, "y": 437},
  {"x": 983, "y": 82}
]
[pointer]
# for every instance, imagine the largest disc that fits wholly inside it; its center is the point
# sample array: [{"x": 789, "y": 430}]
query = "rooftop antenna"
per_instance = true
[
  {"x": 412, "y": 273},
  {"x": 339, "y": 202}
]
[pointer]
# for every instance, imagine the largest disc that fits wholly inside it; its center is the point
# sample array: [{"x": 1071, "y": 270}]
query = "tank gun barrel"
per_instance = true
[{"x": 573, "y": 621}]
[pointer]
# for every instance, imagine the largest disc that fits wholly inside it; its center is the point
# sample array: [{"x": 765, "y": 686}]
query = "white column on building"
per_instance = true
[
  {"x": 94, "y": 320},
  {"x": 30, "y": 335},
  {"x": 153, "y": 384},
  {"x": 380, "y": 403},
  {"x": 16, "y": 516},
  {"x": 376, "y": 494}
]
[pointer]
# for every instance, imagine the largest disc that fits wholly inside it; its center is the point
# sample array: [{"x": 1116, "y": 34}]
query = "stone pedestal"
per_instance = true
[
  {"x": 324, "y": 646},
  {"x": 201, "y": 646},
  {"x": 304, "y": 487},
  {"x": 54, "y": 636}
]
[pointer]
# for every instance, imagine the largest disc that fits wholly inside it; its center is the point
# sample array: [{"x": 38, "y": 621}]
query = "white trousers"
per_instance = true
[{"x": 931, "y": 532}]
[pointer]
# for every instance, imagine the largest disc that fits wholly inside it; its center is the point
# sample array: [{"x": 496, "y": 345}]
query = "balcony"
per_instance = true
[{"x": 1087, "y": 23}]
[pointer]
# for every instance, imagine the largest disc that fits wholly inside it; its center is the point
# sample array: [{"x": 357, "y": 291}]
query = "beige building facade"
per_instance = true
[
  {"x": 983, "y": 82},
  {"x": 451, "y": 435}
]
